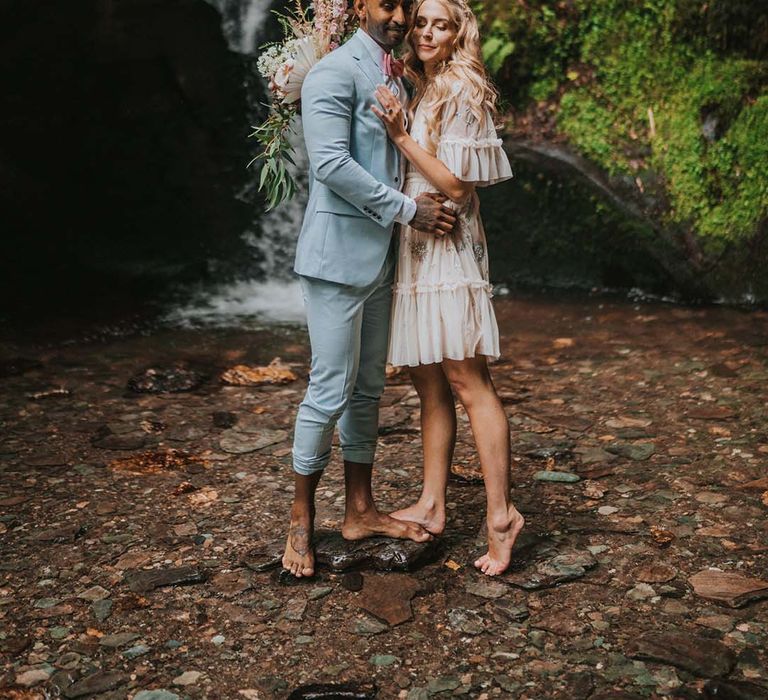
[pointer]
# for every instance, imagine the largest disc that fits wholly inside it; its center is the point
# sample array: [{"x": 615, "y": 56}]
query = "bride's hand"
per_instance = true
[{"x": 392, "y": 114}]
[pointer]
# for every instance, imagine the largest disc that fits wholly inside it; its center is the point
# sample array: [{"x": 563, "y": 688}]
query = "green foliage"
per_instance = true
[
  {"x": 277, "y": 153},
  {"x": 664, "y": 84}
]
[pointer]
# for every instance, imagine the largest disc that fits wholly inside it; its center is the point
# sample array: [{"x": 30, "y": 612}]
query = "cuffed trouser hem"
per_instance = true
[
  {"x": 360, "y": 455},
  {"x": 308, "y": 467}
]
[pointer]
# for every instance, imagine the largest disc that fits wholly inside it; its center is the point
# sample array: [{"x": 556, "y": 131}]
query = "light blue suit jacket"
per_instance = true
[{"x": 354, "y": 174}]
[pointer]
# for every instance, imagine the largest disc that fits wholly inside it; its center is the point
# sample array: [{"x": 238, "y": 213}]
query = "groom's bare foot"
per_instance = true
[
  {"x": 369, "y": 523},
  {"x": 299, "y": 557},
  {"x": 429, "y": 516},
  {"x": 502, "y": 533}
]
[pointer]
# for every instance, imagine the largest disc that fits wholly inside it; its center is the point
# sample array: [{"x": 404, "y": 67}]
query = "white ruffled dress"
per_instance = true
[{"x": 442, "y": 296}]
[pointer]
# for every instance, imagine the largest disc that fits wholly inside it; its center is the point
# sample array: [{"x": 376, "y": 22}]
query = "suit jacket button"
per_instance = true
[{"x": 397, "y": 179}]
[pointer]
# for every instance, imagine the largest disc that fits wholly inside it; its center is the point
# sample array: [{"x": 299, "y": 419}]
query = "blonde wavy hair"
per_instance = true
[{"x": 464, "y": 67}]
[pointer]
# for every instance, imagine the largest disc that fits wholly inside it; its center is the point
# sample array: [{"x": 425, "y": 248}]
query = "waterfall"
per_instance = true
[{"x": 269, "y": 291}]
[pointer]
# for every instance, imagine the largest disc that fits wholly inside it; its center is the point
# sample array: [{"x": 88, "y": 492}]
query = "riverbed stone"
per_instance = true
[{"x": 699, "y": 655}]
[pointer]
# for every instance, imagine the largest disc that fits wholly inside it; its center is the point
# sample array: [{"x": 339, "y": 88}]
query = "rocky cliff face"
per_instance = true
[{"x": 122, "y": 138}]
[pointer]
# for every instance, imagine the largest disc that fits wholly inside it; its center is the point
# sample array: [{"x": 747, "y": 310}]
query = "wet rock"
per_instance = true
[
  {"x": 224, "y": 419},
  {"x": 319, "y": 592},
  {"x": 98, "y": 682},
  {"x": 232, "y": 583},
  {"x": 595, "y": 471},
  {"x": 638, "y": 451},
  {"x": 509, "y": 610},
  {"x": 721, "y": 623},
  {"x": 285, "y": 578},
  {"x": 486, "y": 587},
  {"x": 163, "y": 380},
  {"x": 560, "y": 451},
  {"x": 335, "y": 691},
  {"x": 338, "y": 554},
  {"x": 136, "y": 651},
  {"x": 368, "y": 626},
  {"x": 294, "y": 609},
  {"x": 236, "y": 442},
  {"x": 562, "y": 477},
  {"x": 33, "y": 676},
  {"x": 159, "y": 694},
  {"x": 383, "y": 660},
  {"x": 442, "y": 684},
  {"x": 145, "y": 581},
  {"x": 657, "y": 572},
  {"x": 558, "y": 569},
  {"x": 722, "y": 689},
  {"x": 45, "y": 459},
  {"x": 712, "y": 413},
  {"x": 94, "y": 593},
  {"x": 352, "y": 581},
  {"x": 105, "y": 438},
  {"x": 389, "y": 597},
  {"x": 560, "y": 621},
  {"x": 118, "y": 639},
  {"x": 466, "y": 621},
  {"x": 733, "y": 590},
  {"x": 67, "y": 533},
  {"x": 14, "y": 645},
  {"x": 593, "y": 455},
  {"x": 642, "y": 591},
  {"x": 699, "y": 655},
  {"x": 187, "y": 678}
]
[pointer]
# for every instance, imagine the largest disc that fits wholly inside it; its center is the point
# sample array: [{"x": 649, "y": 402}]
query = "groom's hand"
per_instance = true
[{"x": 431, "y": 216}]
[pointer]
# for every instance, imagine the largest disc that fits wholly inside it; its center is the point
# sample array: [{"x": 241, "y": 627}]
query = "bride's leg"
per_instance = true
[
  {"x": 471, "y": 381},
  {"x": 438, "y": 434}
]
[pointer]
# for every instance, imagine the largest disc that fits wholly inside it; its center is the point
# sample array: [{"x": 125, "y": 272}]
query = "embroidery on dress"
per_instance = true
[
  {"x": 479, "y": 251},
  {"x": 418, "y": 250}
]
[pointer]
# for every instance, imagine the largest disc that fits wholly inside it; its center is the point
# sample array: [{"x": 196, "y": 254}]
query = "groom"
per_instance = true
[{"x": 345, "y": 262}]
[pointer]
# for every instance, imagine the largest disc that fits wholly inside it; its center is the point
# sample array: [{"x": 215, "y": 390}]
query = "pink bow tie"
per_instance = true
[{"x": 393, "y": 67}]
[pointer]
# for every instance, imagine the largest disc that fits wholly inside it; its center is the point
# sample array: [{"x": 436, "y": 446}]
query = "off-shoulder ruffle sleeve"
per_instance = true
[{"x": 470, "y": 149}]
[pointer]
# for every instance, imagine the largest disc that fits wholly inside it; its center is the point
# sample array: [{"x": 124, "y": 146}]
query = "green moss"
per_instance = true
[{"x": 638, "y": 88}]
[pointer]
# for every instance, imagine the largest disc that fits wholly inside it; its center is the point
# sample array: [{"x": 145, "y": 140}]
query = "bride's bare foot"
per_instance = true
[
  {"x": 502, "y": 533},
  {"x": 299, "y": 557},
  {"x": 369, "y": 523},
  {"x": 429, "y": 516}
]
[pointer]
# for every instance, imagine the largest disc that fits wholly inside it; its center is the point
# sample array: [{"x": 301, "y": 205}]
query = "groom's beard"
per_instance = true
[{"x": 388, "y": 36}]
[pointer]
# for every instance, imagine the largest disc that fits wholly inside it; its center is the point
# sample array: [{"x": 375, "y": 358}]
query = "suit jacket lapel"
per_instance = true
[{"x": 367, "y": 64}]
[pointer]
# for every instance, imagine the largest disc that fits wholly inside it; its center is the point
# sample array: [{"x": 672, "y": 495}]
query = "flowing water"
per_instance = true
[{"x": 264, "y": 289}]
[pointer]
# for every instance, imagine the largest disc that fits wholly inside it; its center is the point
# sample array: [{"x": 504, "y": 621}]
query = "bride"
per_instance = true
[{"x": 443, "y": 324}]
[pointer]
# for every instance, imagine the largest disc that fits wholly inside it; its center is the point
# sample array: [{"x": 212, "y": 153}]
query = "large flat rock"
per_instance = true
[
  {"x": 699, "y": 655},
  {"x": 338, "y": 554}
]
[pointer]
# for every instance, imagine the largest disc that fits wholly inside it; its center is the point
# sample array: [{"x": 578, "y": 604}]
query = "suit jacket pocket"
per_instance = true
[{"x": 331, "y": 203}]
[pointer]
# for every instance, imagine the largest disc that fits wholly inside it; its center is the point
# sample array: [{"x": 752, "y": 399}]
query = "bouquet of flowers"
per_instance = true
[{"x": 310, "y": 34}]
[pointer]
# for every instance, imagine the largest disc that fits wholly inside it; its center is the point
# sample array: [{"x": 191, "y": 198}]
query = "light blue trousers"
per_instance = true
[{"x": 348, "y": 333}]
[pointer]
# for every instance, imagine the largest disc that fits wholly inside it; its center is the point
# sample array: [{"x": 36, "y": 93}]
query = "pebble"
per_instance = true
[
  {"x": 119, "y": 639},
  {"x": 563, "y": 477},
  {"x": 383, "y": 659},
  {"x": 94, "y": 593},
  {"x": 33, "y": 677},
  {"x": 607, "y": 510},
  {"x": 187, "y": 678},
  {"x": 642, "y": 591},
  {"x": 102, "y": 609},
  {"x": 319, "y": 592},
  {"x": 135, "y": 651},
  {"x": 156, "y": 695}
]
